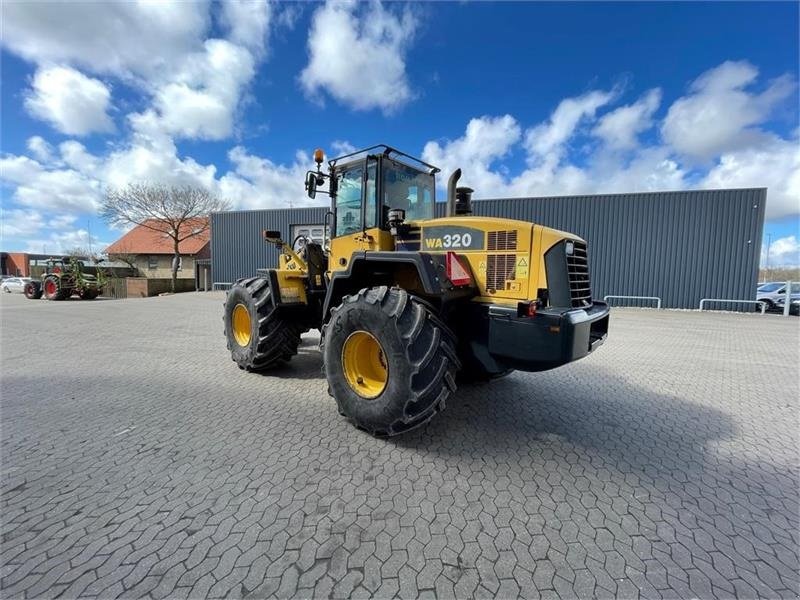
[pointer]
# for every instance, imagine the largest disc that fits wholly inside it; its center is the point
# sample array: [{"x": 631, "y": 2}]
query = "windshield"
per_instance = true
[
  {"x": 409, "y": 189},
  {"x": 770, "y": 287}
]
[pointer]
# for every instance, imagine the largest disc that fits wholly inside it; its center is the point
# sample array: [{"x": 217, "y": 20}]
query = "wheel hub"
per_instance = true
[
  {"x": 364, "y": 364},
  {"x": 241, "y": 325},
  {"x": 50, "y": 287}
]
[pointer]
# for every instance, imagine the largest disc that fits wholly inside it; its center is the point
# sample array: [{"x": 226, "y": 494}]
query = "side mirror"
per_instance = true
[
  {"x": 311, "y": 184},
  {"x": 272, "y": 237}
]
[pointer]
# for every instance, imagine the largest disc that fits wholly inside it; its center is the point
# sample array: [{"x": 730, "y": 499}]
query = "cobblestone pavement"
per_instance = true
[{"x": 137, "y": 460}]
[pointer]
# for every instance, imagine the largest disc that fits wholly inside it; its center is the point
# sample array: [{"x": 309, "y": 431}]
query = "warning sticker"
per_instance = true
[
  {"x": 482, "y": 266},
  {"x": 522, "y": 267}
]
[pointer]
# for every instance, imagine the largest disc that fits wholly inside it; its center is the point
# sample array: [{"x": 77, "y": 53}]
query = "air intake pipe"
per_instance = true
[
  {"x": 451, "y": 193},
  {"x": 464, "y": 201}
]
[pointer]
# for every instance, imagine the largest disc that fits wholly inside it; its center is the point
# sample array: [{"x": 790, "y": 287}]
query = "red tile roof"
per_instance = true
[{"x": 143, "y": 240}]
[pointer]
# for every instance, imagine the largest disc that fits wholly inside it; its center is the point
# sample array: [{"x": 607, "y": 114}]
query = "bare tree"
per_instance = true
[
  {"x": 124, "y": 254},
  {"x": 179, "y": 213},
  {"x": 77, "y": 252}
]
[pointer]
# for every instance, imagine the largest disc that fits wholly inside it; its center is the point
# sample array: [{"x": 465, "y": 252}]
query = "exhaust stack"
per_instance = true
[{"x": 451, "y": 193}]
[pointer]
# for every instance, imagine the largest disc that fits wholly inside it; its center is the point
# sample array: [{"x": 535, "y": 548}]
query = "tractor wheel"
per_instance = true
[
  {"x": 33, "y": 291},
  {"x": 257, "y": 337},
  {"x": 390, "y": 362},
  {"x": 89, "y": 294},
  {"x": 54, "y": 291}
]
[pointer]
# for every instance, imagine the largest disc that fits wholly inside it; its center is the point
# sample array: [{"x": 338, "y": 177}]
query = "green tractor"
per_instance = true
[{"x": 63, "y": 278}]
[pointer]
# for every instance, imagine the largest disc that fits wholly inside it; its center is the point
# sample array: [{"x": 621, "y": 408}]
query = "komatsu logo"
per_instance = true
[{"x": 447, "y": 237}]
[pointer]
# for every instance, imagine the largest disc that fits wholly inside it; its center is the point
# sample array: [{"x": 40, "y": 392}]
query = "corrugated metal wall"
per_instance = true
[
  {"x": 237, "y": 248},
  {"x": 679, "y": 246}
]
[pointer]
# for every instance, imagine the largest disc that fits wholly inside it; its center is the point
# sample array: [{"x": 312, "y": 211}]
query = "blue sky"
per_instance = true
[{"x": 528, "y": 98}]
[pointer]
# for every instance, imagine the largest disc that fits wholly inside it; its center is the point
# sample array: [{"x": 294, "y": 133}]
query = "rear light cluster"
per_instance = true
[
  {"x": 457, "y": 273},
  {"x": 528, "y": 309}
]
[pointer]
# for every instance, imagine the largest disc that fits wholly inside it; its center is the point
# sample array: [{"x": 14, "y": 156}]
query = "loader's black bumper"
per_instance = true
[{"x": 551, "y": 338}]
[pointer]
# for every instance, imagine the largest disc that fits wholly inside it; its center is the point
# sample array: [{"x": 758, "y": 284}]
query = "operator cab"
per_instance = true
[{"x": 365, "y": 185}]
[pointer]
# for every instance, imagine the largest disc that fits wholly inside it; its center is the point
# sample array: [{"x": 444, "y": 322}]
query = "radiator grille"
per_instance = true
[
  {"x": 578, "y": 269},
  {"x": 499, "y": 269},
  {"x": 502, "y": 240}
]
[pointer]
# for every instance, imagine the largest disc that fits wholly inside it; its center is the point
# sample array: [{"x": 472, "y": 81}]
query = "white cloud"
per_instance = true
[
  {"x": 61, "y": 221},
  {"x": 247, "y": 22},
  {"x": 357, "y": 55},
  {"x": 75, "y": 155},
  {"x": 546, "y": 140},
  {"x": 40, "y": 148},
  {"x": 257, "y": 182},
  {"x": 195, "y": 84},
  {"x": 63, "y": 241},
  {"x": 201, "y": 100},
  {"x": 486, "y": 140},
  {"x": 192, "y": 87},
  {"x": 619, "y": 128},
  {"x": 719, "y": 115},
  {"x": 622, "y": 163},
  {"x": 773, "y": 163},
  {"x": 151, "y": 156},
  {"x": 341, "y": 147},
  {"x": 49, "y": 188},
  {"x": 128, "y": 39},
  {"x": 70, "y": 101},
  {"x": 783, "y": 252},
  {"x": 20, "y": 222}
]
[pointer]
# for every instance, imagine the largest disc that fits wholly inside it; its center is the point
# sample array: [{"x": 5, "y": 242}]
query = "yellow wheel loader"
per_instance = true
[{"x": 408, "y": 304}]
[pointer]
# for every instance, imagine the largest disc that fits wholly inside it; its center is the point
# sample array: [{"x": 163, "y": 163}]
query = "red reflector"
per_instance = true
[
  {"x": 457, "y": 273},
  {"x": 532, "y": 308}
]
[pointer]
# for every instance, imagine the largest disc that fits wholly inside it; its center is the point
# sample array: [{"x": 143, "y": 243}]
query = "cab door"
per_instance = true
[{"x": 356, "y": 223}]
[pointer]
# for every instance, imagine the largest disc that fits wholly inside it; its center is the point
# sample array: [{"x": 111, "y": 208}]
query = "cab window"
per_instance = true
[
  {"x": 348, "y": 200},
  {"x": 371, "y": 212},
  {"x": 409, "y": 189}
]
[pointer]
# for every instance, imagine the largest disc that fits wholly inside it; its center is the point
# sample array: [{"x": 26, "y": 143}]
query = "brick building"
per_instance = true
[{"x": 152, "y": 254}]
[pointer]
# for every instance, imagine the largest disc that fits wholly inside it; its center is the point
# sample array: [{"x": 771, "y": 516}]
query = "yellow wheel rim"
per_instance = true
[
  {"x": 364, "y": 364},
  {"x": 240, "y": 323}
]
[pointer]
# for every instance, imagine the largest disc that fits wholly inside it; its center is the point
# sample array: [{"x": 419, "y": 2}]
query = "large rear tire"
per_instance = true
[
  {"x": 258, "y": 337},
  {"x": 54, "y": 290},
  {"x": 390, "y": 361},
  {"x": 33, "y": 290}
]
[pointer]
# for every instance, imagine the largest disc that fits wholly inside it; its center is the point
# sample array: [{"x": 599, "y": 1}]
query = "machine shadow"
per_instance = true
[
  {"x": 306, "y": 365},
  {"x": 527, "y": 412}
]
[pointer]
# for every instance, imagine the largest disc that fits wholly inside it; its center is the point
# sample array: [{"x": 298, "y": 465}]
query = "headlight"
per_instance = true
[{"x": 570, "y": 248}]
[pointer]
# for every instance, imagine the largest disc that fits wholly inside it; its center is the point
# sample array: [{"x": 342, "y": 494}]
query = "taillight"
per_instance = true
[
  {"x": 457, "y": 273},
  {"x": 528, "y": 309}
]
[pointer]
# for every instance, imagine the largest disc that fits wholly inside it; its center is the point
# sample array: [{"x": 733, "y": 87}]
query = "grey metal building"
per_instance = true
[{"x": 679, "y": 246}]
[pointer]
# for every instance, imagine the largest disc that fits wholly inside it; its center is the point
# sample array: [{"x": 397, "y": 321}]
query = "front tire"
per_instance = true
[
  {"x": 258, "y": 338},
  {"x": 389, "y": 360}
]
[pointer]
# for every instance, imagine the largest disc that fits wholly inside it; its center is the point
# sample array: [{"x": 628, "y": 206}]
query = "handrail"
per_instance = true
[
  {"x": 763, "y": 304},
  {"x": 656, "y": 298},
  {"x": 216, "y": 283}
]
